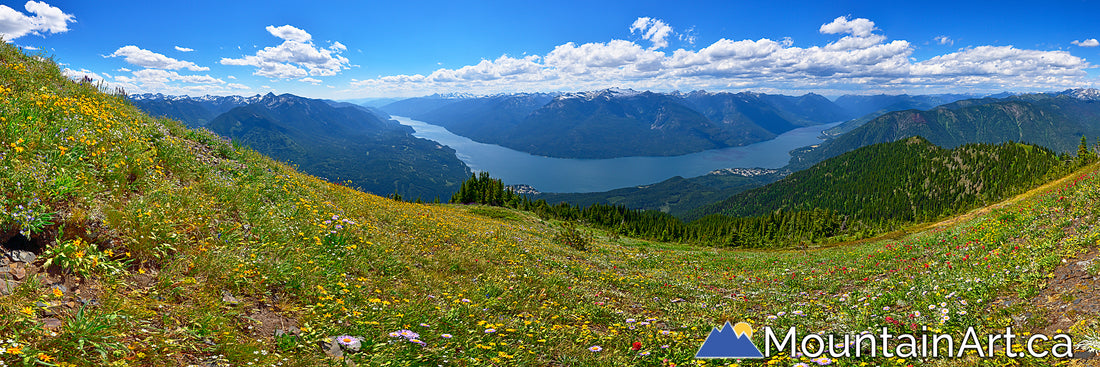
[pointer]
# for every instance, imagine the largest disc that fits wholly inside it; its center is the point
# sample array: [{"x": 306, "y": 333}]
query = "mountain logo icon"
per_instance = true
[{"x": 731, "y": 341}]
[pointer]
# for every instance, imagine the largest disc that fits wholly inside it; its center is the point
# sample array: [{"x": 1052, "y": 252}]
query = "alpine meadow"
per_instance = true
[{"x": 153, "y": 218}]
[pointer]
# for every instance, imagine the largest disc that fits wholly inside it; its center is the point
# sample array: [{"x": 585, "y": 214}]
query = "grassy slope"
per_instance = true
[{"x": 195, "y": 218}]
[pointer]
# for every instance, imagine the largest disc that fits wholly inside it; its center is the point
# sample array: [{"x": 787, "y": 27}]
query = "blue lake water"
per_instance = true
[{"x": 587, "y": 175}]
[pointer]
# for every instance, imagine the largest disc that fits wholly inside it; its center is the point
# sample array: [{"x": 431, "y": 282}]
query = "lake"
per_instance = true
[{"x": 589, "y": 175}]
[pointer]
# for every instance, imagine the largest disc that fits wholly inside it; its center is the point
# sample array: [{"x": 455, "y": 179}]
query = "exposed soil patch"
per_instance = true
[
  {"x": 1071, "y": 296},
  {"x": 266, "y": 322}
]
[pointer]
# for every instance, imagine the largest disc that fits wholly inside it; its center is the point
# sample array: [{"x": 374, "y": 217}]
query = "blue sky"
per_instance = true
[{"x": 356, "y": 49}]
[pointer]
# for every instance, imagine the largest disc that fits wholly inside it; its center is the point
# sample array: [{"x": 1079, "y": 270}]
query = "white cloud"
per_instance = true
[
  {"x": 165, "y": 76},
  {"x": 46, "y": 19},
  {"x": 184, "y": 49},
  {"x": 944, "y": 40},
  {"x": 859, "y": 27},
  {"x": 171, "y": 82},
  {"x": 80, "y": 74},
  {"x": 653, "y": 30},
  {"x": 149, "y": 59},
  {"x": 289, "y": 33},
  {"x": 30, "y": 48},
  {"x": 861, "y": 59},
  {"x": 296, "y": 57},
  {"x": 1091, "y": 42},
  {"x": 688, "y": 36},
  {"x": 310, "y": 80}
]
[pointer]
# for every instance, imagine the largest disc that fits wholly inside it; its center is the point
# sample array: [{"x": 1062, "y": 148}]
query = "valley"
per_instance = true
[{"x": 565, "y": 175}]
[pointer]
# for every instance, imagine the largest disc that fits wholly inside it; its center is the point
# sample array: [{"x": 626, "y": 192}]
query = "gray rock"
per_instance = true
[
  {"x": 1084, "y": 355},
  {"x": 8, "y": 286},
  {"x": 291, "y": 331},
  {"x": 22, "y": 256},
  {"x": 228, "y": 298},
  {"x": 331, "y": 348},
  {"x": 60, "y": 287},
  {"x": 51, "y": 323},
  {"x": 88, "y": 301}
]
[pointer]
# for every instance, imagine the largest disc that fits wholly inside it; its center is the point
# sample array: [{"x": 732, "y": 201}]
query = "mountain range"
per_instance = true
[
  {"x": 340, "y": 142},
  {"x": 1052, "y": 120},
  {"x": 614, "y": 122}
]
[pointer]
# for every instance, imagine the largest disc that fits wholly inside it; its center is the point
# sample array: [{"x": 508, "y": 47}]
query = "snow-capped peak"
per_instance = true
[
  {"x": 1086, "y": 94},
  {"x": 608, "y": 93}
]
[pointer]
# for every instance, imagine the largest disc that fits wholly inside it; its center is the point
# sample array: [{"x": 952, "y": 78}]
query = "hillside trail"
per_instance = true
[{"x": 973, "y": 213}]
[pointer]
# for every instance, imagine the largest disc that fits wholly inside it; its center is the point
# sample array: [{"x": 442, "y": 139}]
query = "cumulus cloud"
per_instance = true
[
  {"x": 171, "y": 82},
  {"x": 653, "y": 30},
  {"x": 310, "y": 80},
  {"x": 296, "y": 57},
  {"x": 157, "y": 76},
  {"x": 1091, "y": 42},
  {"x": 859, "y": 27},
  {"x": 860, "y": 59},
  {"x": 944, "y": 40},
  {"x": 149, "y": 59},
  {"x": 184, "y": 49},
  {"x": 45, "y": 19}
]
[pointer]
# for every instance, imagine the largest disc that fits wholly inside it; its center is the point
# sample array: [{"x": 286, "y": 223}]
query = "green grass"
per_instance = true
[{"x": 191, "y": 220}]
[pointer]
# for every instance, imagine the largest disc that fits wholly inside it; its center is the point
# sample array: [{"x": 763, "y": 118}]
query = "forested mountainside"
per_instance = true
[
  {"x": 1056, "y": 121},
  {"x": 343, "y": 143},
  {"x": 904, "y": 181},
  {"x": 677, "y": 196}
]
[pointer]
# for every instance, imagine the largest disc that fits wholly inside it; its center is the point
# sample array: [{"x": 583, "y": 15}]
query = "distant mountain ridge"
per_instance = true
[
  {"x": 334, "y": 140},
  {"x": 616, "y": 122},
  {"x": 1052, "y": 120},
  {"x": 867, "y": 107},
  {"x": 192, "y": 111}
]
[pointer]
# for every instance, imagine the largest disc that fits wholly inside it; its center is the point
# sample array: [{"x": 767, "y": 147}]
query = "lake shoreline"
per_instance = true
[{"x": 569, "y": 175}]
